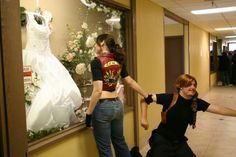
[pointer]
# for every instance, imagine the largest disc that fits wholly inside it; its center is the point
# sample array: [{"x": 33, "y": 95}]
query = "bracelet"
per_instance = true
[{"x": 148, "y": 99}]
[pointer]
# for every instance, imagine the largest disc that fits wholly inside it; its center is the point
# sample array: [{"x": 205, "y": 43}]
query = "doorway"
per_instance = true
[
  {"x": 176, "y": 49},
  {"x": 174, "y": 59}
]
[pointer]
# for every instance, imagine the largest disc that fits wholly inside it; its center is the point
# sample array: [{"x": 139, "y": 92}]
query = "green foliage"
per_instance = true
[
  {"x": 32, "y": 136},
  {"x": 22, "y": 16}
]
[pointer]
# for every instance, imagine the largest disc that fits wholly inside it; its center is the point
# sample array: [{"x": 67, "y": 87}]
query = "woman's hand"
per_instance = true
[{"x": 88, "y": 120}]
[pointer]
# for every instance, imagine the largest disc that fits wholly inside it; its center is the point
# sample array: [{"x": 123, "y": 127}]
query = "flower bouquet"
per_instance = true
[{"x": 79, "y": 53}]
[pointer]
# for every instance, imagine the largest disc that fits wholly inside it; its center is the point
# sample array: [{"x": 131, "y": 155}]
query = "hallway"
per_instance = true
[{"x": 215, "y": 135}]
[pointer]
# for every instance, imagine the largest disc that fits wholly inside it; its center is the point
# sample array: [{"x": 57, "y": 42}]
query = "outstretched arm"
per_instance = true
[
  {"x": 217, "y": 109},
  {"x": 144, "y": 107},
  {"x": 133, "y": 84}
]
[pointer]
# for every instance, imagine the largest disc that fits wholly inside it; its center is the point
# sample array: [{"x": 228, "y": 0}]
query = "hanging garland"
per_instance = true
[{"x": 113, "y": 16}]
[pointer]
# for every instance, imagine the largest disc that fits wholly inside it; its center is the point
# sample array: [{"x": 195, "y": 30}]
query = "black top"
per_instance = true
[
  {"x": 96, "y": 69},
  {"x": 224, "y": 63},
  {"x": 178, "y": 117},
  {"x": 234, "y": 61}
]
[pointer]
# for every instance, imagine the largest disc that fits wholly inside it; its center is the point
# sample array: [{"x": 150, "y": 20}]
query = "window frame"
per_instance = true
[
  {"x": 13, "y": 114},
  {"x": 12, "y": 97}
]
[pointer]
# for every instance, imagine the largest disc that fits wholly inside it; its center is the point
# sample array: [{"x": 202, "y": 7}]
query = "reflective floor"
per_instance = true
[{"x": 215, "y": 135}]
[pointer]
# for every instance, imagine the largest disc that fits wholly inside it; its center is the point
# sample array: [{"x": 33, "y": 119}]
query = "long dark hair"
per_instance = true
[{"x": 112, "y": 46}]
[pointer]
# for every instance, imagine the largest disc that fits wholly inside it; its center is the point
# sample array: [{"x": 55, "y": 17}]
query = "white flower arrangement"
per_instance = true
[
  {"x": 80, "y": 47},
  {"x": 80, "y": 68},
  {"x": 31, "y": 89},
  {"x": 80, "y": 50},
  {"x": 81, "y": 113}
]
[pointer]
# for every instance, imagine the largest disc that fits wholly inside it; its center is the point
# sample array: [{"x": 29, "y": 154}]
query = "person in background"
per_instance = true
[
  {"x": 234, "y": 68},
  {"x": 179, "y": 111},
  {"x": 105, "y": 109},
  {"x": 230, "y": 55},
  {"x": 224, "y": 66}
]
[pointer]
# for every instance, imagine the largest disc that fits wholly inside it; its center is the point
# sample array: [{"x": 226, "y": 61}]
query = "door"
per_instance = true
[{"x": 174, "y": 60}]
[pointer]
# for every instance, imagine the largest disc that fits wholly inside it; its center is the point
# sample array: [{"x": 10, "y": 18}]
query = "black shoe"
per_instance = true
[{"x": 135, "y": 152}]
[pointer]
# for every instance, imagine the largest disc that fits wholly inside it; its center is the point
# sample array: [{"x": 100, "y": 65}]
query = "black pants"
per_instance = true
[{"x": 161, "y": 147}]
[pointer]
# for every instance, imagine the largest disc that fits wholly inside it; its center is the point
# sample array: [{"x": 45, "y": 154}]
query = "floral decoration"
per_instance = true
[
  {"x": 31, "y": 89},
  {"x": 80, "y": 47},
  {"x": 80, "y": 51},
  {"x": 101, "y": 8},
  {"x": 113, "y": 17}
]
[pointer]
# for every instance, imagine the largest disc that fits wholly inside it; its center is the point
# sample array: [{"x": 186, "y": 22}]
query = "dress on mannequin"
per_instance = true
[{"x": 58, "y": 96}]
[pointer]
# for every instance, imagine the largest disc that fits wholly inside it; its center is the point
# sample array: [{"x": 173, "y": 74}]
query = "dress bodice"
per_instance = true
[{"x": 37, "y": 34}]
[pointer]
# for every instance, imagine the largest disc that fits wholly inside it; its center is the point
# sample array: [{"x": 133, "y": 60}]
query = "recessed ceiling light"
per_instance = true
[
  {"x": 214, "y": 10},
  {"x": 225, "y": 29}
]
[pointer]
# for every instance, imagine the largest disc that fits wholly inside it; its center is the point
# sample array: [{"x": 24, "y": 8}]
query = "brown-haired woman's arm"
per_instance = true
[{"x": 133, "y": 84}]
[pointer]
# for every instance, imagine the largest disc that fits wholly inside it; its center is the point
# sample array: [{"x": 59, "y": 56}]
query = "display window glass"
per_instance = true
[{"x": 58, "y": 41}]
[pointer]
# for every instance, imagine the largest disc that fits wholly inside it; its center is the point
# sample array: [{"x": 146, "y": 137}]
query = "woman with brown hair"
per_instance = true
[
  {"x": 106, "y": 109},
  {"x": 179, "y": 111}
]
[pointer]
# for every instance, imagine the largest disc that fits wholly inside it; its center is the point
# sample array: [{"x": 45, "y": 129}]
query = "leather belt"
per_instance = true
[{"x": 108, "y": 99}]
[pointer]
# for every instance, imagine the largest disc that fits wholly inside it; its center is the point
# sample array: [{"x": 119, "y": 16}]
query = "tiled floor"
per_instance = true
[{"x": 215, "y": 135}]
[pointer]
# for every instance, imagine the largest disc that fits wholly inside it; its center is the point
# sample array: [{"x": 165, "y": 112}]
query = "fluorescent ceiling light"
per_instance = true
[
  {"x": 232, "y": 36},
  {"x": 214, "y": 10},
  {"x": 225, "y": 29}
]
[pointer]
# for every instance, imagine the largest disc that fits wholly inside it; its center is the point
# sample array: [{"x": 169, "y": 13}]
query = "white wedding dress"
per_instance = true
[{"x": 58, "y": 95}]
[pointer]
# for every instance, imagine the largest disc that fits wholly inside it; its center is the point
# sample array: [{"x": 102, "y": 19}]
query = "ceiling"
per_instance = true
[{"x": 208, "y": 22}]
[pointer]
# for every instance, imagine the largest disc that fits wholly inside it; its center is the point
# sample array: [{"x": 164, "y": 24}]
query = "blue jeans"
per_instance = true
[{"x": 107, "y": 121}]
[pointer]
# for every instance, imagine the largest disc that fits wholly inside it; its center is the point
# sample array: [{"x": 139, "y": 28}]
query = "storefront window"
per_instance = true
[{"x": 58, "y": 45}]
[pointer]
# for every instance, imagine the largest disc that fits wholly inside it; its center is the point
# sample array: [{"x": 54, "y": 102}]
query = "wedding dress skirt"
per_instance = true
[{"x": 58, "y": 96}]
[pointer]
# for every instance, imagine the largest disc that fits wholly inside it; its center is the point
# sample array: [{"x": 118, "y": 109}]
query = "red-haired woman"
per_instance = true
[{"x": 179, "y": 111}]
